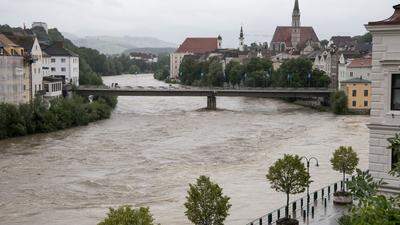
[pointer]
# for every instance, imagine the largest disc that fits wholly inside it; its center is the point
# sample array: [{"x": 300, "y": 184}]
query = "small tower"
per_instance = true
[
  {"x": 219, "y": 39},
  {"x": 296, "y": 25},
  {"x": 241, "y": 40}
]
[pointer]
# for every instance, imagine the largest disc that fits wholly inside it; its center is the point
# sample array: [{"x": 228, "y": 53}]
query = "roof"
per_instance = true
[
  {"x": 24, "y": 41},
  {"x": 393, "y": 20},
  {"x": 52, "y": 79},
  {"x": 198, "y": 45},
  {"x": 359, "y": 80},
  {"x": 284, "y": 34},
  {"x": 342, "y": 41},
  {"x": 57, "y": 49},
  {"x": 360, "y": 63},
  {"x": 6, "y": 41}
]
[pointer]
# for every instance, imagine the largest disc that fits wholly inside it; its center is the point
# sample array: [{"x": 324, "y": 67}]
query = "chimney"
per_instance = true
[{"x": 59, "y": 44}]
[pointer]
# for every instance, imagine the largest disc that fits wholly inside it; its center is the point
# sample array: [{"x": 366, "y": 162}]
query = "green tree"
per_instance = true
[
  {"x": 134, "y": 69},
  {"x": 215, "y": 76},
  {"x": 205, "y": 203},
  {"x": 258, "y": 64},
  {"x": 234, "y": 71},
  {"x": 363, "y": 185},
  {"x": 289, "y": 175},
  {"x": 344, "y": 160},
  {"x": 256, "y": 79},
  {"x": 189, "y": 71},
  {"x": 339, "y": 102},
  {"x": 125, "y": 215},
  {"x": 394, "y": 145}
]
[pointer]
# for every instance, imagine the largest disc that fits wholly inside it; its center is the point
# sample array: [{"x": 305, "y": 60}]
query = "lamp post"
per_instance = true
[{"x": 308, "y": 160}]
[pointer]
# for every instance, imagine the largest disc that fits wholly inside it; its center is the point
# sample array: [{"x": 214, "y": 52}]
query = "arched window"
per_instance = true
[{"x": 283, "y": 47}]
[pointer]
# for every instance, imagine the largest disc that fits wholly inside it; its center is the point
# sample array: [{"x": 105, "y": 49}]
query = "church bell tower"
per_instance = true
[
  {"x": 241, "y": 40},
  {"x": 296, "y": 24}
]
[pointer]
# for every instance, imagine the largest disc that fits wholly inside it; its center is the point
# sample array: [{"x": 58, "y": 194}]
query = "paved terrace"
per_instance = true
[
  {"x": 210, "y": 93},
  {"x": 319, "y": 211}
]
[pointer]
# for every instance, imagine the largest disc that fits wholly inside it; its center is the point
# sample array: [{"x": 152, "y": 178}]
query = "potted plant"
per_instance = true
[
  {"x": 344, "y": 160},
  {"x": 288, "y": 175}
]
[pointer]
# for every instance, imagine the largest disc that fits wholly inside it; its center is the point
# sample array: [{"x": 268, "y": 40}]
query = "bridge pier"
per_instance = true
[{"x": 211, "y": 103}]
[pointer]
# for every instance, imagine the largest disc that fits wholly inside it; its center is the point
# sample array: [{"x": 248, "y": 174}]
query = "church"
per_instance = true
[{"x": 293, "y": 38}]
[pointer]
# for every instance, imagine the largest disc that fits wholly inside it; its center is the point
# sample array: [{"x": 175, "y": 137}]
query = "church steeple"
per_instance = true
[
  {"x": 241, "y": 39},
  {"x": 296, "y": 15}
]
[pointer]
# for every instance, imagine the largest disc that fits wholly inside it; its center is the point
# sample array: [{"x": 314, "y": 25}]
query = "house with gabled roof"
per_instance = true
[{"x": 191, "y": 46}]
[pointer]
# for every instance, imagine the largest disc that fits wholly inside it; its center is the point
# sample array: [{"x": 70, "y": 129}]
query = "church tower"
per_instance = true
[
  {"x": 296, "y": 24},
  {"x": 241, "y": 40}
]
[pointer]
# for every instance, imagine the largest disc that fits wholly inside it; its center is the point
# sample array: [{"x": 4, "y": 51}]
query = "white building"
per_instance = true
[
  {"x": 41, "y": 24},
  {"x": 385, "y": 111},
  {"x": 33, "y": 54},
  {"x": 63, "y": 63},
  {"x": 192, "y": 46},
  {"x": 354, "y": 68}
]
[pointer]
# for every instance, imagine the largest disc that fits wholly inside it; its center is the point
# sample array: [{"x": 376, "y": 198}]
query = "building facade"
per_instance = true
[
  {"x": 358, "y": 91},
  {"x": 63, "y": 63},
  {"x": 189, "y": 47},
  {"x": 11, "y": 79},
  {"x": 354, "y": 68},
  {"x": 385, "y": 107},
  {"x": 328, "y": 61}
]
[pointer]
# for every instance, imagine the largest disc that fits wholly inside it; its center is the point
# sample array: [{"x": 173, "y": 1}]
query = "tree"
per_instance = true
[
  {"x": 344, "y": 160},
  {"x": 258, "y": 64},
  {"x": 339, "y": 102},
  {"x": 364, "y": 185},
  {"x": 234, "y": 71},
  {"x": 289, "y": 175},
  {"x": 205, "y": 203},
  {"x": 215, "y": 76},
  {"x": 125, "y": 215},
  {"x": 256, "y": 79},
  {"x": 134, "y": 69},
  {"x": 395, "y": 147},
  {"x": 189, "y": 71}
]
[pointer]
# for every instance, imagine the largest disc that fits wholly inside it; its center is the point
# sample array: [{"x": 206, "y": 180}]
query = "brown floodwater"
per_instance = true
[{"x": 153, "y": 147}]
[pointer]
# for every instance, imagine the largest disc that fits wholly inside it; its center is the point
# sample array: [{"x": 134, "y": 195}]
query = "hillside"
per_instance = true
[{"x": 116, "y": 45}]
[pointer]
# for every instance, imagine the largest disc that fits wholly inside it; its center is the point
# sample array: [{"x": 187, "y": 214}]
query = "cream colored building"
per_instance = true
[
  {"x": 354, "y": 68},
  {"x": 385, "y": 107},
  {"x": 11, "y": 79}
]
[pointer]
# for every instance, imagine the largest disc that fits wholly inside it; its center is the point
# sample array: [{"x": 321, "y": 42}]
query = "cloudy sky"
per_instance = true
[{"x": 173, "y": 20}]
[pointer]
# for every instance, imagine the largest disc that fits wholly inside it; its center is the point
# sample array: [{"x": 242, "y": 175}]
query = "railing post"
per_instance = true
[
  {"x": 301, "y": 203},
  {"x": 323, "y": 193},
  {"x": 312, "y": 212},
  {"x": 335, "y": 187},
  {"x": 279, "y": 214},
  {"x": 315, "y": 196}
]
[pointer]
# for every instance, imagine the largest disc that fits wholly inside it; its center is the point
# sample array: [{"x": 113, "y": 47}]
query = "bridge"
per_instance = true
[{"x": 210, "y": 93}]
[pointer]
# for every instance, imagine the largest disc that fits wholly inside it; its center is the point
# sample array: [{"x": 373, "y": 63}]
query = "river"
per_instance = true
[{"x": 153, "y": 147}]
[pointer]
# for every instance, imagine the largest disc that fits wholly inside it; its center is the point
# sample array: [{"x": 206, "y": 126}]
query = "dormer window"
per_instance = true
[{"x": 395, "y": 101}]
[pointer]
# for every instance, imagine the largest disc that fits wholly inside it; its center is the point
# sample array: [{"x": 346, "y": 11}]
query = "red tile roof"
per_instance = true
[
  {"x": 284, "y": 34},
  {"x": 198, "y": 45},
  {"x": 360, "y": 63},
  {"x": 393, "y": 20}
]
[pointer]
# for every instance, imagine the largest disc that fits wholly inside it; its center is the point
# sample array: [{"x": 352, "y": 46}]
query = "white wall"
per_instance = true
[
  {"x": 36, "y": 68},
  {"x": 175, "y": 63},
  {"x": 65, "y": 66}
]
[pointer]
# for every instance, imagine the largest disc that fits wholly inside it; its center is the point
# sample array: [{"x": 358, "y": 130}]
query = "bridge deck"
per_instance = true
[{"x": 173, "y": 91}]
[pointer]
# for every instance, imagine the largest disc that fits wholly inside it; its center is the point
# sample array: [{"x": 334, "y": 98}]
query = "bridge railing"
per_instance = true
[{"x": 303, "y": 208}]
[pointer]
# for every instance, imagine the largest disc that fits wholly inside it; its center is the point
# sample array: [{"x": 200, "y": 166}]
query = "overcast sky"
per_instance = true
[{"x": 173, "y": 20}]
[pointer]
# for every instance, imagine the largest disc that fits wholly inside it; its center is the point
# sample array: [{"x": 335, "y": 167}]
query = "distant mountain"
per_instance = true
[
  {"x": 117, "y": 45},
  {"x": 155, "y": 51}
]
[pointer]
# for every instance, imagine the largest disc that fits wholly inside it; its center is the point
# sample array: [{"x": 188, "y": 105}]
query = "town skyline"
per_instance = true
[{"x": 171, "y": 21}]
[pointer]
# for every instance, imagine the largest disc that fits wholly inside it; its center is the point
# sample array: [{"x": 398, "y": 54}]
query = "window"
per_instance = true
[
  {"x": 395, "y": 92},
  {"x": 24, "y": 87},
  {"x": 365, "y": 103},
  {"x": 354, "y": 93},
  {"x": 365, "y": 93},
  {"x": 53, "y": 60},
  {"x": 63, "y": 60},
  {"x": 351, "y": 74},
  {"x": 63, "y": 69},
  {"x": 53, "y": 69},
  {"x": 354, "y": 103},
  {"x": 395, "y": 158}
]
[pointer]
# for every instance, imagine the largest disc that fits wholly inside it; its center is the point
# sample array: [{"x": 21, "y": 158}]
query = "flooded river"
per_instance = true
[{"x": 153, "y": 147}]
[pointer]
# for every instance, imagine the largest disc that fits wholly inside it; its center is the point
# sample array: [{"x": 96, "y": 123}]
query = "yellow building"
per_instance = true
[
  {"x": 358, "y": 92},
  {"x": 10, "y": 48}
]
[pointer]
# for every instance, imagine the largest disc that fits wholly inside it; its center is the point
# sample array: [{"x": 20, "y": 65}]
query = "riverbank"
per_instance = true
[{"x": 58, "y": 114}]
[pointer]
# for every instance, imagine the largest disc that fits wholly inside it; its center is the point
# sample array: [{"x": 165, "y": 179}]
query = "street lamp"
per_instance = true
[{"x": 308, "y": 160}]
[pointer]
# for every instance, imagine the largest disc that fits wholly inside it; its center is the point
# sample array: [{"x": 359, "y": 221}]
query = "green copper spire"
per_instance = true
[{"x": 241, "y": 32}]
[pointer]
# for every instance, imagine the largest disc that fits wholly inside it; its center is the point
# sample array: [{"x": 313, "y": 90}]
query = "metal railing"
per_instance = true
[{"x": 303, "y": 208}]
